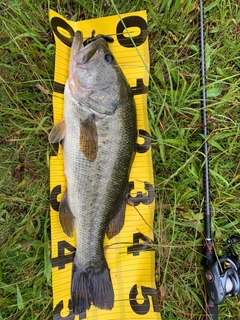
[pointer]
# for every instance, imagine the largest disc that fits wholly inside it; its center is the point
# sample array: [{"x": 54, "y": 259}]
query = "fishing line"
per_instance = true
[{"x": 144, "y": 220}]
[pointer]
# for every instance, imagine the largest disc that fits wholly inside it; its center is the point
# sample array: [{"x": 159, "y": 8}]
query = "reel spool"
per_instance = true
[{"x": 222, "y": 277}]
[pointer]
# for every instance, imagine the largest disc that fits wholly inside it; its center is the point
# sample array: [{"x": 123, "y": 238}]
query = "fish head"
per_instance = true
[{"x": 95, "y": 77}]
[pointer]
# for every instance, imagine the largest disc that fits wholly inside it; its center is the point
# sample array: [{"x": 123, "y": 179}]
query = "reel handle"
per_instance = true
[{"x": 233, "y": 240}]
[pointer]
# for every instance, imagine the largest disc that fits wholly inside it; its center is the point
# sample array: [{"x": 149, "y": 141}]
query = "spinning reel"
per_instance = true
[{"x": 222, "y": 277}]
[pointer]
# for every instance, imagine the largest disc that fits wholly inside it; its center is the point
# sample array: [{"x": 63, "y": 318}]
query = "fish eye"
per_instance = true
[{"x": 109, "y": 58}]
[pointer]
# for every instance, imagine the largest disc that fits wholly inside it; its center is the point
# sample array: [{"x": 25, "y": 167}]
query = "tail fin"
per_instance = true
[{"x": 91, "y": 284}]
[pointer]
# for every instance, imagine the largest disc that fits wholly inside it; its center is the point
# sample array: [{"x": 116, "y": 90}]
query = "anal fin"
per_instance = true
[{"x": 66, "y": 217}]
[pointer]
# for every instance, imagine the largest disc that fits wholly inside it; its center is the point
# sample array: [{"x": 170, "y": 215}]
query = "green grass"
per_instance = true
[{"x": 27, "y": 66}]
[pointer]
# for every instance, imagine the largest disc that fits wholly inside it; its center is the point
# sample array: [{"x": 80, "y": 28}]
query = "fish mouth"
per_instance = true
[
  {"x": 91, "y": 52},
  {"x": 83, "y": 65},
  {"x": 77, "y": 44},
  {"x": 84, "y": 54}
]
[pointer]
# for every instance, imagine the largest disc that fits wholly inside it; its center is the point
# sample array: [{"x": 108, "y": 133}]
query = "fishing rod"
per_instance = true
[{"x": 221, "y": 274}]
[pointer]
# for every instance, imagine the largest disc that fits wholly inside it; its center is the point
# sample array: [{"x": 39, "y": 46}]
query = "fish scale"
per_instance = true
[
  {"x": 96, "y": 202},
  {"x": 99, "y": 135}
]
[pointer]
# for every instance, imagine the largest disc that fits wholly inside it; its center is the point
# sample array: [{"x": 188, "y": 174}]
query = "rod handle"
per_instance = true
[{"x": 211, "y": 310}]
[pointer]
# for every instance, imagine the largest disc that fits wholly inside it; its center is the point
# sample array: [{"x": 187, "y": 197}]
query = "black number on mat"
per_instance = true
[
  {"x": 140, "y": 198},
  {"x": 137, "y": 247},
  {"x": 148, "y": 294},
  {"x": 129, "y": 22},
  {"x": 63, "y": 258},
  {"x": 58, "y": 23},
  {"x": 145, "y": 146},
  {"x": 53, "y": 197}
]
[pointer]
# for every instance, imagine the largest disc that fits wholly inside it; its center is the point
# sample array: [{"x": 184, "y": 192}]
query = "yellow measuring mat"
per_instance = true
[{"x": 130, "y": 255}]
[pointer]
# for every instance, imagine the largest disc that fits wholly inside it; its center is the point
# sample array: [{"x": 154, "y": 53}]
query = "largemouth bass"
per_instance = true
[{"x": 98, "y": 134}]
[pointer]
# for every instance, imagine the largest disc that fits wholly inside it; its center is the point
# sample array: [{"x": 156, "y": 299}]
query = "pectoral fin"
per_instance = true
[
  {"x": 116, "y": 223},
  {"x": 89, "y": 138},
  {"x": 58, "y": 132},
  {"x": 66, "y": 217}
]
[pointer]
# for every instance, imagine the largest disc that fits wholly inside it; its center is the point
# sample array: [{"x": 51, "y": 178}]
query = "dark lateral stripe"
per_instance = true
[{"x": 58, "y": 87}]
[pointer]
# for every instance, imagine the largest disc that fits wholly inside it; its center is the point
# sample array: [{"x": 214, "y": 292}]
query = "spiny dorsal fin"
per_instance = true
[{"x": 89, "y": 138}]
